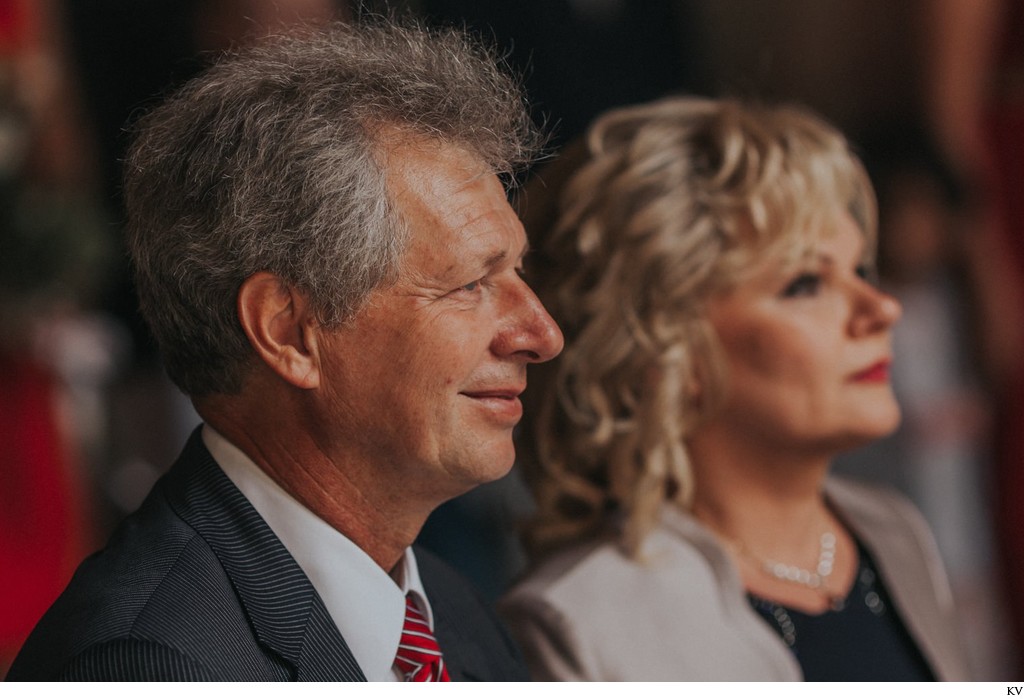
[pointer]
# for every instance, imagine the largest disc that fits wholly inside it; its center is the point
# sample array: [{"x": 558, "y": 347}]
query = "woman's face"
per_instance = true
[{"x": 808, "y": 351}]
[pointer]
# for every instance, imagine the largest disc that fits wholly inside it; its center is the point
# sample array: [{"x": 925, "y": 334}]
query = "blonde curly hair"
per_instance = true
[{"x": 660, "y": 207}]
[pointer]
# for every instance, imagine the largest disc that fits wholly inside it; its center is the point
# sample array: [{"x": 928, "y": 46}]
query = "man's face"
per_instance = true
[{"x": 423, "y": 384}]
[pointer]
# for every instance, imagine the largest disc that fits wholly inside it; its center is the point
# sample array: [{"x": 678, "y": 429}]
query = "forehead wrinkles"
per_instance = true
[
  {"x": 455, "y": 208},
  {"x": 433, "y": 173}
]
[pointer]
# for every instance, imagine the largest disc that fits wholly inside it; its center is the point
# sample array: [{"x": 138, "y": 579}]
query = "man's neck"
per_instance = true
[{"x": 350, "y": 497}]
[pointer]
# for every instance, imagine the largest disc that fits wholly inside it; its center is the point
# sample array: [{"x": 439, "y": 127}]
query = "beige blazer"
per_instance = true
[{"x": 679, "y": 611}]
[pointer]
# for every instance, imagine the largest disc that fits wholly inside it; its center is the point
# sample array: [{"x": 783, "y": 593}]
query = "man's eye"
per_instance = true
[
  {"x": 471, "y": 287},
  {"x": 805, "y": 284}
]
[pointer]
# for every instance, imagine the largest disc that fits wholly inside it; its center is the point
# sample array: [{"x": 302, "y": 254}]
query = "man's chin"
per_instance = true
[{"x": 485, "y": 466}]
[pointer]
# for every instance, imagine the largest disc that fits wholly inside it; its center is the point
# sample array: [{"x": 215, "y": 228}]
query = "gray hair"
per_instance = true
[
  {"x": 659, "y": 208},
  {"x": 271, "y": 160}
]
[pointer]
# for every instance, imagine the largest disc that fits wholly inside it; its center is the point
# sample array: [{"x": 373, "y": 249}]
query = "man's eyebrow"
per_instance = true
[
  {"x": 502, "y": 255},
  {"x": 495, "y": 259}
]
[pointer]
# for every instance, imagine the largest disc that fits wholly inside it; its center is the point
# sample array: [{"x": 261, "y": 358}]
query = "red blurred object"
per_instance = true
[
  {"x": 1006, "y": 131},
  {"x": 41, "y": 525},
  {"x": 16, "y": 26}
]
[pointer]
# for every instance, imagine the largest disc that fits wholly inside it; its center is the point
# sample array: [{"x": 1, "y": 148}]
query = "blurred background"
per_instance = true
[{"x": 930, "y": 91}]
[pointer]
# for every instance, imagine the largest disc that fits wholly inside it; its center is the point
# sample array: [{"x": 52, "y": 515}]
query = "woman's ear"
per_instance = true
[{"x": 279, "y": 323}]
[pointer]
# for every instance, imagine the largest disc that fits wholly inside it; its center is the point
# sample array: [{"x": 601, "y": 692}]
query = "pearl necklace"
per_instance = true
[
  {"x": 815, "y": 580},
  {"x": 794, "y": 574}
]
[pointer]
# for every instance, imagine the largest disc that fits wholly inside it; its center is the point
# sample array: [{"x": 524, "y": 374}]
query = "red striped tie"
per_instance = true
[{"x": 419, "y": 657}]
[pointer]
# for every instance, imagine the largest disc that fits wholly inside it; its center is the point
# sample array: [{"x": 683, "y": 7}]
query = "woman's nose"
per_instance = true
[{"x": 874, "y": 310}]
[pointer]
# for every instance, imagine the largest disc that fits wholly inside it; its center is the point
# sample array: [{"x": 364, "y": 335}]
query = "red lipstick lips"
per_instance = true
[{"x": 876, "y": 373}]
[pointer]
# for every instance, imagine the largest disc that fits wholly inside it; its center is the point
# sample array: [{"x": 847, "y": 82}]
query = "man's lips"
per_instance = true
[
  {"x": 503, "y": 393},
  {"x": 878, "y": 372},
  {"x": 502, "y": 402}
]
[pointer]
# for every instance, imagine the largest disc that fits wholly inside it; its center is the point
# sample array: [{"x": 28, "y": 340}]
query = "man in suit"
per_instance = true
[{"x": 327, "y": 259}]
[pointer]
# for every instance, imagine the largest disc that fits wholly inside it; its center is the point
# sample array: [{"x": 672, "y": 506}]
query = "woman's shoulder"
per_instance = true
[
  {"x": 684, "y": 614},
  {"x": 600, "y": 569},
  {"x": 875, "y": 507}
]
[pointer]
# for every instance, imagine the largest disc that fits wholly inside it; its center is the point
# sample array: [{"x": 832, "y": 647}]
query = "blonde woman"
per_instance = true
[{"x": 710, "y": 265}]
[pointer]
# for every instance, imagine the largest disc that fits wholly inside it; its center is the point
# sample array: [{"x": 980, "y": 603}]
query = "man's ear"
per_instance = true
[{"x": 281, "y": 328}]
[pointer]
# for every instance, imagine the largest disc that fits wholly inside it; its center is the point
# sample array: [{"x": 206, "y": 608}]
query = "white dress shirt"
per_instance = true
[{"x": 365, "y": 602}]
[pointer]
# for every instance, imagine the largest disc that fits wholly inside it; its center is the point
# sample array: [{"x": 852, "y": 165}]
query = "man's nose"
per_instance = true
[{"x": 530, "y": 332}]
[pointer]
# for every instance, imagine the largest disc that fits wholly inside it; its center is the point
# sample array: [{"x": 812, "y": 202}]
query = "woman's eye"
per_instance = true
[
  {"x": 806, "y": 284},
  {"x": 868, "y": 273}
]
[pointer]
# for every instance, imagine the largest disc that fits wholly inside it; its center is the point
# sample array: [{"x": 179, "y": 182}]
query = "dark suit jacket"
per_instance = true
[{"x": 195, "y": 586}]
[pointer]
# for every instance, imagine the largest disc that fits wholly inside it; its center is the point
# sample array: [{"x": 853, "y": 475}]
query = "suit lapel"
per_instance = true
[
  {"x": 457, "y": 622},
  {"x": 285, "y": 611},
  {"x": 460, "y": 652}
]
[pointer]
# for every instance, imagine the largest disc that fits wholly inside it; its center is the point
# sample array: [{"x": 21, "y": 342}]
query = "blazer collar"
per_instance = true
[
  {"x": 905, "y": 554},
  {"x": 284, "y": 609}
]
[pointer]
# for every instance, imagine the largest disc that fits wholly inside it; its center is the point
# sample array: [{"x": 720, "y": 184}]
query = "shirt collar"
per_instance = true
[{"x": 365, "y": 602}]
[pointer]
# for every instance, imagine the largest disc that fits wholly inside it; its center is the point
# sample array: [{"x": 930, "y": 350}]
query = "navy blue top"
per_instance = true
[{"x": 863, "y": 640}]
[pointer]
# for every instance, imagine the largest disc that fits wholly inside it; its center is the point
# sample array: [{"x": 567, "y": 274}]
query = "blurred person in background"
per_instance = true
[
  {"x": 710, "y": 264},
  {"x": 327, "y": 259},
  {"x": 56, "y": 351},
  {"x": 974, "y": 97}
]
